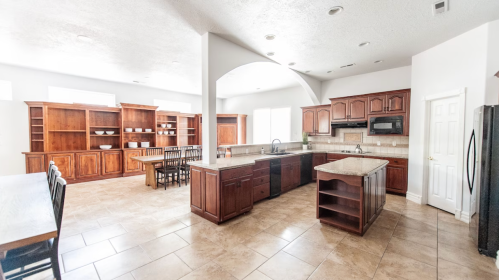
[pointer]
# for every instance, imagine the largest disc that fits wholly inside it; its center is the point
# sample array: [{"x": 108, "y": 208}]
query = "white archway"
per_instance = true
[{"x": 219, "y": 57}]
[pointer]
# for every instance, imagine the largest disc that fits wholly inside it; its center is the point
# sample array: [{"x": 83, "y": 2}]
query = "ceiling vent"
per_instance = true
[
  {"x": 349, "y": 65},
  {"x": 440, "y": 7}
]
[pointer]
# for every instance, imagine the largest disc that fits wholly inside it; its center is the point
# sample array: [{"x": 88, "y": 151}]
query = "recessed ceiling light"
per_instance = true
[
  {"x": 270, "y": 54},
  {"x": 335, "y": 10},
  {"x": 270, "y": 37},
  {"x": 329, "y": 71},
  {"x": 363, "y": 44},
  {"x": 83, "y": 38},
  {"x": 291, "y": 63},
  {"x": 378, "y": 61}
]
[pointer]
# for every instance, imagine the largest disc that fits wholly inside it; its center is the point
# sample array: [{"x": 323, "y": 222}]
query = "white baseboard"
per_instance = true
[
  {"x": 463, "y": 216},
  {"x": 413, "y": 197}
]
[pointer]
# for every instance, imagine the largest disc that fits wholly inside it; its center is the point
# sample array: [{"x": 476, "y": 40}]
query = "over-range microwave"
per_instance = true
[{"x": 386, "y": 125}]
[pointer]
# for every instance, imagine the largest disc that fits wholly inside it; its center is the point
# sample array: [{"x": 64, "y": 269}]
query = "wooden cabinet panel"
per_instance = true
[
  {"x": 65, "y": 162},
  {"x": 317, "y": 159},
  {"x": 396, "y": 179},
  {"x": 376, "y": 104},
  {"x": 323, "y": 122},
  {"x": 357, "y": 109},
  {"x": 132, "y": 165},
  {"x": 229, "y": 199},
  {"x": 261, "y": 192},
  {"x": 35, "y": 163},
  {"x": 112, "y": 163},
  {"x": 286, "y": 178},
  {"x": 396, "y": 102},
  {"x": 227, "y": 134},
  {"x": 339, "y": 110},
  {"x": 87, "y": 164},
  {"x": 211, "y": 194},
  {"x": 245, "y": 194},
  {"x": 296, "y": 174},
  {"x": 261, "y": 180},
  {"x": 308, "y": 121},
  {"x": 196, "y": 188},
  {"x": 236, "y": 173}
]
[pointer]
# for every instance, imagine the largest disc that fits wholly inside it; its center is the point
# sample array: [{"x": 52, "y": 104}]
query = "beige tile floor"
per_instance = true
[{"x": 121, "y": 229}]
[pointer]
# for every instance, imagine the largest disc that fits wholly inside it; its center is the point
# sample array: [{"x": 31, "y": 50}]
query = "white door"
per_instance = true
[{"x": 443, "y": 153}]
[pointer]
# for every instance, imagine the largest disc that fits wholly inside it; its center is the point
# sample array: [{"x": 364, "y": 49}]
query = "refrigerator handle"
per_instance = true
[{"x": 472, "y": 141}]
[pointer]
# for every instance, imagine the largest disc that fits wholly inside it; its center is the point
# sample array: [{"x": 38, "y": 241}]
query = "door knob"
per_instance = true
[{"x": 430, "y": 158}]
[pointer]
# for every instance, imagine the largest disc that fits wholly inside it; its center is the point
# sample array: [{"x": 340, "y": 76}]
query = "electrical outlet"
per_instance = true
[
  {"x": 329, "y": 140},
  {"x": 246, "y": 150},
  {"x": 394, "y": 143},
  {"x": 379, "y": 143}
]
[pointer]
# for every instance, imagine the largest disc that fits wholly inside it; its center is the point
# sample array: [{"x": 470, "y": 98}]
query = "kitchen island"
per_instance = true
[{"x": 351, "y": 192}]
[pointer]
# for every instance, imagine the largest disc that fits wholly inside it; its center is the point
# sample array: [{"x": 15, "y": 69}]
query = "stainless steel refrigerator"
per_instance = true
[{"x": 483, "y": 179}]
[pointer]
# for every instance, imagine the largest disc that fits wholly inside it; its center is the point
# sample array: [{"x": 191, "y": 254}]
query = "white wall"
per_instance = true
[
  {"x": 32, "y": 85},
  {"x": 492, "y": 82},
  {"x": 294, "y": 97},
  {"x": 391, "y": 79},
  {"x": 458, "y": 63}
]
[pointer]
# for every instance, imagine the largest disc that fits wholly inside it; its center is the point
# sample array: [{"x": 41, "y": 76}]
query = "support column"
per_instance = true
[{"x": 209, "y": 99}]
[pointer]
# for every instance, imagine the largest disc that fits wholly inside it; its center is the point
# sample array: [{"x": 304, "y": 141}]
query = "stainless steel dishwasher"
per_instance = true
[{"x": 275, "y": 178}]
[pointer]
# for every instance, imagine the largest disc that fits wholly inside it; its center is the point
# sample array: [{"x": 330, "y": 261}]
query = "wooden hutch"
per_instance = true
[{"x": 65, "y": 134}]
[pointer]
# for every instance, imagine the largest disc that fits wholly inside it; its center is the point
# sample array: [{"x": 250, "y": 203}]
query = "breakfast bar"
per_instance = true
[{"x": 351, "y": 192}]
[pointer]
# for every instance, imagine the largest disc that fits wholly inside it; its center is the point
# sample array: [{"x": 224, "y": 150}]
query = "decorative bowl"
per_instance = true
[
  {"x": 109, "y": 132},
  {"x": 138, "y": 130},
  {"x": 148, "y": 130},
  {"x": 99, "y": 132},
  {"x": 132, "y": 145},
  {"x": 172, "y": 132},
  {"x": 105, "y": 147},
  {"x": 160, "y": 132},
  {"x": 128, "y": 129},
  {"x": 169, "y": 125},
  {"x": 144, "y": 144},
  {"x": 163, "y": 125}
]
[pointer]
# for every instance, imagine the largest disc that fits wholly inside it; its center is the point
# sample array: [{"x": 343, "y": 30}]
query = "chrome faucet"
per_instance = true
[{"x": 276, "y": 148}]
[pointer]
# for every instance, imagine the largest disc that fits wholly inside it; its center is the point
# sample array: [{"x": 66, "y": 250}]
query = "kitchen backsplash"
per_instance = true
[
  {"x": 368, "y": 144},
  {"x": 256, "y": 148}
]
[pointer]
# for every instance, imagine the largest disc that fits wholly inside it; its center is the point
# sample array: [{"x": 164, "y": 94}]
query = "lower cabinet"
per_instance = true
[
  {"x": 35, "y": 163},
  {"x": 290, "y": 173},
  {"x": 88, "y": 164},
  {"x": 317, "y": 159},
  {"x": 112, "y": 163},
  {"x": 130, "y": 165},
  {"x": 65, "y": 162},
  {"x": 261, "y": 180},
  {"x": 374, "y": 196}
]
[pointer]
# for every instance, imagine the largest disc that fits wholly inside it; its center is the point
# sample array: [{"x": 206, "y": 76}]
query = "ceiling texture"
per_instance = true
[{"x": 157, "y": 43}]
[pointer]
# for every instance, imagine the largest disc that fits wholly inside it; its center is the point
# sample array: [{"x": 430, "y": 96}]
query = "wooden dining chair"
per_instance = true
[
  {"x": 221, "y": 152},
  {"x": 22, "y": 257},
  {"x": 190, "y": 155},
  {"x": 171, "y": 166},
  {"x": 51, "y": 163},
  {"x": 155, "y": 152},
  {"x": 56, "y": 175},
  {"x": 171, "y": 148},
  {"x": 52, "y": 171}
]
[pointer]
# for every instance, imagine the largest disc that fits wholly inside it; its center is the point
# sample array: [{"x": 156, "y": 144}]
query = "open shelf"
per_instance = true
[
  {"x": 68, "y": 131},
  {"x": 139, "y": 132},
  {"x": 351, "y": 211},
  {"x": 341, "y": 222},
  {"x": 104, "y": 135},
  {"x": 342, "y": 194},
  {"x": 37, "y": 118},
  {"x": 37, "y": 140},
  {"x": 167, "y": 135},
  {"x": 37, "y": 125},
  {"x": 36, "y": 132},
  {"x": 187, "y": 128},
  {"x": 167, "y": 121},
  {"x": 187, "y": 134},
  {"x": 104, "y": 126}
]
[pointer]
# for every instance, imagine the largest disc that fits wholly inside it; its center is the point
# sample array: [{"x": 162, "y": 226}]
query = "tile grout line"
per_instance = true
[{"x": 391, "y": 236}]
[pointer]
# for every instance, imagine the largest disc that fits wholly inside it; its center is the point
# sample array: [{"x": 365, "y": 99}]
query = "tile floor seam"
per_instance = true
[
  {"x": 96, "y": 271},
  {"x": 391, "y": 236}
]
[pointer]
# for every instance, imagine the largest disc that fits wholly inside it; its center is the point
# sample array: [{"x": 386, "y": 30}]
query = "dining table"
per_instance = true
[
  {"x": 26, "y": 212},
  {"x": 149, "y": 163}
]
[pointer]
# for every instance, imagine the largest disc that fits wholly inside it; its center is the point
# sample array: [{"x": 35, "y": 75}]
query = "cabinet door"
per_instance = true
[
  {"x": 396, "y": 179},
  {"x": 357, "y": 109},
  {"x": 285, "y": 177},
  {"x": 229, "y": 198},
  {"x": 35, "y": 163},
  {"x": 226, "y": 134},
  {"x": 296, "y": 173},
  {"x": 318, "y": 159},
  {"x": 196, "y": 188},
  {"x": 87, "y": 164},
  {"x": 376, "y": 104},
  {"x": 132, "y": 165},
  {"x": 380, "y": 189},
  {"x": 395, "y": 102},
  {"x": 323, "y": 122},
  {"x": 339, "y": 110},
  {"x": 112, "y": 163},
  {"x": 65, "y": 162},
  {"x": 244, "y": 194},
  {"x": 308, "y": 121}
]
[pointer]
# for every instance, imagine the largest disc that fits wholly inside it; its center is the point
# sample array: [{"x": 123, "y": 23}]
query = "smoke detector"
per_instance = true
[{"x": 440, "y": 7}]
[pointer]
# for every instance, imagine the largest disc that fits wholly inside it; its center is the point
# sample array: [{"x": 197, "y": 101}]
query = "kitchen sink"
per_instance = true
[{"x": 278, "y": 154}]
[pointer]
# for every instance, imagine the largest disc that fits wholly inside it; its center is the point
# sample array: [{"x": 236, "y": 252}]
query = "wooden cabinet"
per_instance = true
[
  {"x": 290, "y": 173},
  {"x": 334, "y": 157},
  {"x": 87, "y": 164},
  {"x": 261, "y": 180},
  {"x": 129, "y": 164},
  {"x": 35, "y": 163},
  {"x": 317, "y": 159},
  {"x": 65, "y": 162},
  {"x": 112, "y": 163},
  {"x": 374, "y": 196},
  {"x": 244, "y": 194},
  {"x": 226, "y": 134},
  {"x": 350, "y": 109},
  {"x": 391, "y": 102},
  {"x": 396, "y": 174},
  {"x": 229, "y": 198},
  {"x": 316, "y": 120}
]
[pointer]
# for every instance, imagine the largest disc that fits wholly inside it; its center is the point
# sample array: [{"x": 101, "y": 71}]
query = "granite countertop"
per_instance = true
[
  {"x": 353, "y": 166},
  {"x": 248, "y": 160},
  {"x": 369, "y": 154}
]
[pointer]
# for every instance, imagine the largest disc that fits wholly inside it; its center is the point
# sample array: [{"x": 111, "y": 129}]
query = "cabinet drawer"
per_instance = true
[
  {"x": 261, "y": 172},
  {"x": 397, "y": 161},
  {"x": 261, "y": 164},
  {"x": 261, "y": 180},
  {"x": 260, "y": 192},
  {"x": 236, "y": 173},
  {"x": 289, "y": 160}
]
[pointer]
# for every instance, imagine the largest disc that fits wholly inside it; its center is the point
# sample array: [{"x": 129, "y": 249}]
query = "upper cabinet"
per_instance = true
[
  {"x": 391, "y": 102},
  {"x": 349, "y": 109},
  {"x": 316, "y": 120}
]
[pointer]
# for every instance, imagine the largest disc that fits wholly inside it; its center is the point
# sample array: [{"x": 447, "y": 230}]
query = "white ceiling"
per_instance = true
[{"x": 134, "y": 40}]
